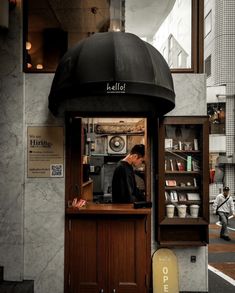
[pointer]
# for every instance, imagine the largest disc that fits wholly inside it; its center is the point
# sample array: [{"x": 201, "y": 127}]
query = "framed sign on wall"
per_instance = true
[{"x": 45, "y": 151}]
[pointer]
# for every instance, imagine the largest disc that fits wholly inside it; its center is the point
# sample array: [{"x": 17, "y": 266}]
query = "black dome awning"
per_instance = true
[{"x": 112, "y": 72}]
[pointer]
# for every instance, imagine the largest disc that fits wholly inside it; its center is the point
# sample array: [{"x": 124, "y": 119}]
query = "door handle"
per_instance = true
[
  {"x": 101, "y": 290},
  {"x": 114, "y": 291}
]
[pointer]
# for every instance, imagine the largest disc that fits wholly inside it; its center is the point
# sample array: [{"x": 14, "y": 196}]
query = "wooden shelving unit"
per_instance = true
[{"x": 183, "y": 149}]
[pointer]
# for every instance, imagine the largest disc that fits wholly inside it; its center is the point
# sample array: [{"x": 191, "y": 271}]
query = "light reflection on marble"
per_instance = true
[{"x": 190, "y": 90}]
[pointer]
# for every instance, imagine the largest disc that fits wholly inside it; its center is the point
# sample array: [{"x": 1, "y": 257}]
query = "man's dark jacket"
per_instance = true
[{"x": 124, "y": 189}]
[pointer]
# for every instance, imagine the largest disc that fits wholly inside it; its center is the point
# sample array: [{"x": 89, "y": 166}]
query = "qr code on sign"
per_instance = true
[{"x": 56, "y": 170}]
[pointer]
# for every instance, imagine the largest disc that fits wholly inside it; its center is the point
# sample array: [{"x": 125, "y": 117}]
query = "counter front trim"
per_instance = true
[{"x": 122, "y": 209}]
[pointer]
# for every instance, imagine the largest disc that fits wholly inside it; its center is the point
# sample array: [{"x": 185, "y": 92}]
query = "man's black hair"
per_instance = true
[{"x": 138, "y": 149}]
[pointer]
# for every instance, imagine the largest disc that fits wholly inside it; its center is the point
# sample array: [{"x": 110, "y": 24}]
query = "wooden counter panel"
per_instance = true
[
  {"x": 112, "y": 254},
  {"x": 122, "y": 209}
]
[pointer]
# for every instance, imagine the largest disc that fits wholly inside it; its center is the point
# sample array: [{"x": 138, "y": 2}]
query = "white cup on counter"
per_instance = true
[
  {"x": 182, "y": 210},
  {"x": 194, "y": 210},
  {"x": 170, "y": 209}
]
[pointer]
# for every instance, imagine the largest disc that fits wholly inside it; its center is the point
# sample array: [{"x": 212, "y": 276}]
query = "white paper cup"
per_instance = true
[
  {"x": 170, "y": 208},
  {"x": 182, "y": 211},
  {"x": 194, "y": 210}
]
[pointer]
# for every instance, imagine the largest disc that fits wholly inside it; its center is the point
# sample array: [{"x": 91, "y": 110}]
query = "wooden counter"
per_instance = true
[{"x": 101, "y": 209}]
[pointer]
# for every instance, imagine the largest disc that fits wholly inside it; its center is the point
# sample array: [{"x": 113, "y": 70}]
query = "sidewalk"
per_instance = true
[{"x": 221, "y": 252}]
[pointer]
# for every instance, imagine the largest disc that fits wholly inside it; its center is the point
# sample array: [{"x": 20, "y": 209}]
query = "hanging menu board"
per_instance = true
[{"x": 45, "y": 151}]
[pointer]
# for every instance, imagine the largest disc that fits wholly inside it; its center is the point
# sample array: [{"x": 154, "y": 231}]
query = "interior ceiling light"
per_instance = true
[
  {"x": 28, "y": 60},
  {"x": 115, "y": 25},
  {"x": 39, "y": 66},
  {"x": 28, "y": 45}
]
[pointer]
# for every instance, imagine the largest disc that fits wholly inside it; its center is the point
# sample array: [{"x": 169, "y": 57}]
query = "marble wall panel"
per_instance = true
[
  {"x": 44, "y": 234},
  {"x": 193, "y": 276},
  {"x": 44, "y": 201},
  {"x": 11, "y": 148},
  {"x": 37, "y": 88},
  {"x": 190, "y": 90}
]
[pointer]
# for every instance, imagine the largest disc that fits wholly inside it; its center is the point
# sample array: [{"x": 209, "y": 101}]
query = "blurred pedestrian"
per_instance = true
[{"x": 223, "y": 206}]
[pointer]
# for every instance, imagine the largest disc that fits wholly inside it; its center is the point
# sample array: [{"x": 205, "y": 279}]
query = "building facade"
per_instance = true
[
  {"x": 33, "y": 209},
  {"x": 219, "y": 46}
]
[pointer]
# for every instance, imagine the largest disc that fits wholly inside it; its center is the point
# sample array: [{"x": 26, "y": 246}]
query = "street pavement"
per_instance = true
[
  {"x": 219, "y": 285},
  {"x": 221, "y": 257}
]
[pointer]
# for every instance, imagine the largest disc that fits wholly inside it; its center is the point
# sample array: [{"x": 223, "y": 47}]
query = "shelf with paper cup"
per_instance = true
[{"x": 183, "y": 180}]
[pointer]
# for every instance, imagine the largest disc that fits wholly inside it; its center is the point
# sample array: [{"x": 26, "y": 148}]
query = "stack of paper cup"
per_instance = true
[
  {"x": 194, "y": 210},
  {"x": 170, "y": 208},
  {"x": 182, "y": 210}
]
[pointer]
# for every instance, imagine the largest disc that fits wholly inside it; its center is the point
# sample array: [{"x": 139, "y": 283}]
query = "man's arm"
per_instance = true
[{"x": 139, "y": 195}]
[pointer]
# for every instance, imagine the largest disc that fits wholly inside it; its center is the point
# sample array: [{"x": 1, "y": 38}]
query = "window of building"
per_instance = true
[
  {"x": 179, "y": 29},
  {"x": 52, "y": 27},
  {"x": 208, "y": 66},
  {"x": 179, "y": 17},
  {"x": 216, "y": 113},
  {"x": 170, "y": 43},
  {"x": 208, "y": 23},
  {"x": 179, "y": 61},
  {"x": 164, "y": 53},
  {"x": 179, "y": 2}
]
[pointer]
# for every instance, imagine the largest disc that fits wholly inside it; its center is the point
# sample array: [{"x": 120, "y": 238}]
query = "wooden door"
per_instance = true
[
  {"x": 109, "y": 254},
  {"x": 127, "y": 267},
  {"x": 87, "y": 252}
]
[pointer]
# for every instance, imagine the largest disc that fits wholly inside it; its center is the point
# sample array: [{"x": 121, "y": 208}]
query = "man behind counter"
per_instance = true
[{"x": 124, "y": 189}]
